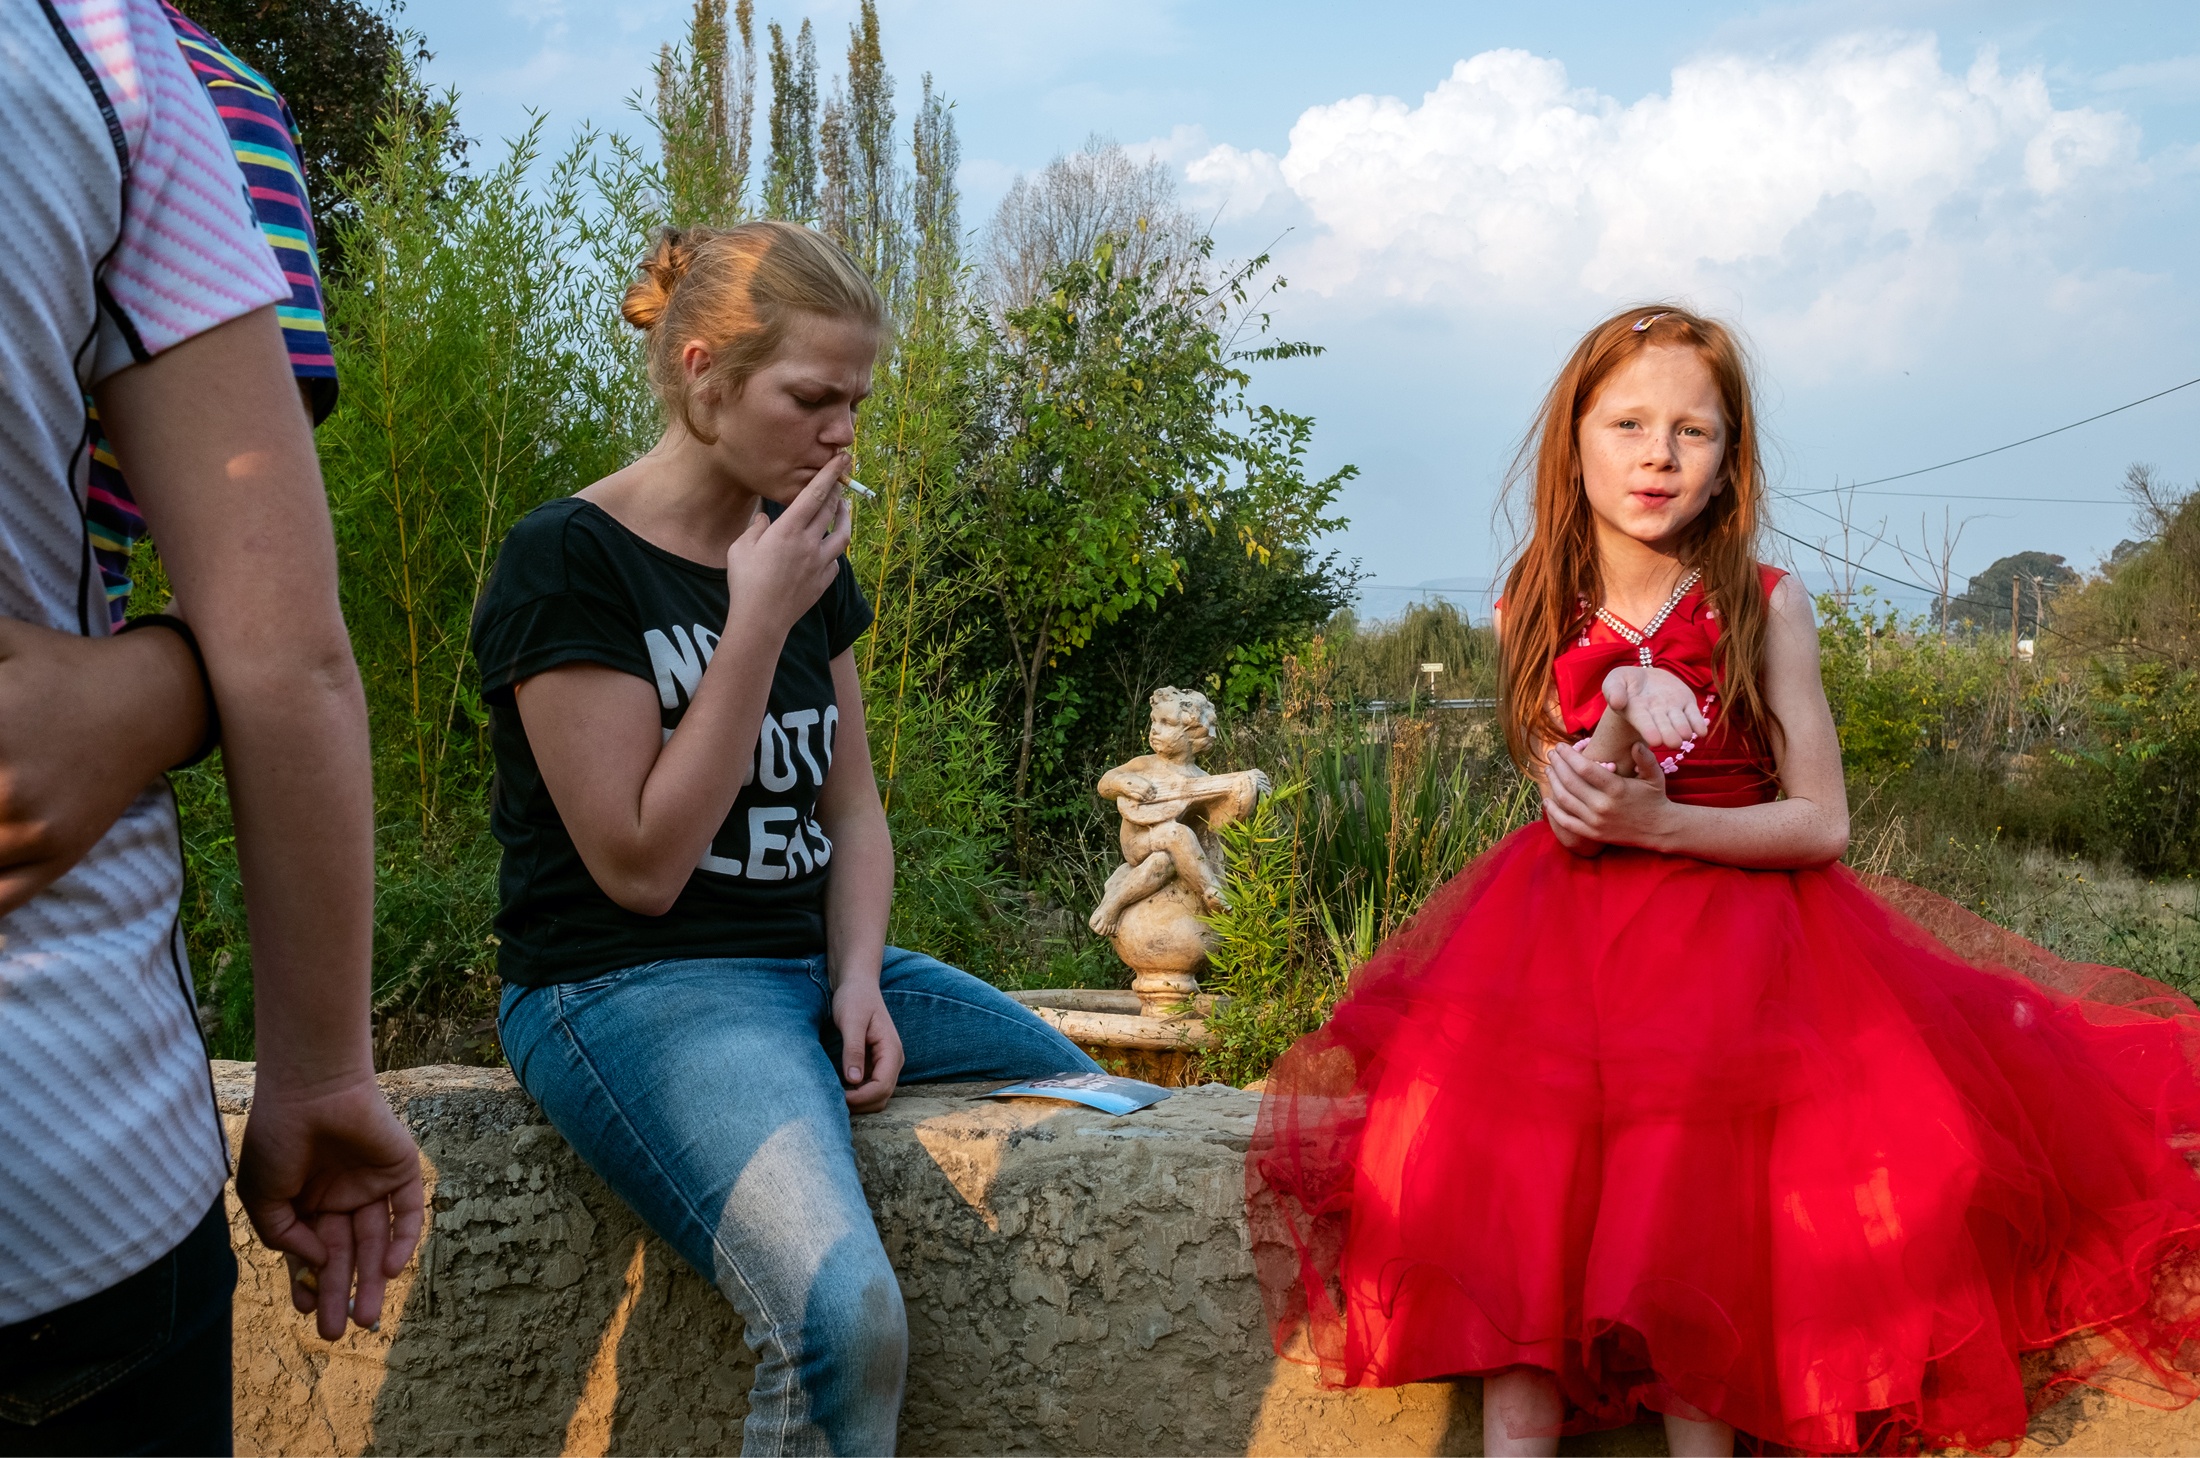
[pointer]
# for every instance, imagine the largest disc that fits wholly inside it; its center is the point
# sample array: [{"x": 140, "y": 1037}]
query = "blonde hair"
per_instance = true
[{"x": 735, "y": 290}]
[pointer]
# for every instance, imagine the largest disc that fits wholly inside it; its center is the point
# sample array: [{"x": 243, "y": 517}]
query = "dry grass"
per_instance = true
[{"x": 2076, "y": 906}]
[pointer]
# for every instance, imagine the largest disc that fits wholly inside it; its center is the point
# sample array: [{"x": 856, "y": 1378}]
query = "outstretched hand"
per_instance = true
[
  {"x": 331, "y": 1179},
  {"x": 1588, "y": 804},
  {"x": 1658, "y": 705},
  {"x": 777, "y": 570}
]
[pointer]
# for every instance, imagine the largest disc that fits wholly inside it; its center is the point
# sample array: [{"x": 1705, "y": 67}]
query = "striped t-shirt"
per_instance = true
[
  {"x": 264, "y": 139},
  {"x": 126, "y": 231}
]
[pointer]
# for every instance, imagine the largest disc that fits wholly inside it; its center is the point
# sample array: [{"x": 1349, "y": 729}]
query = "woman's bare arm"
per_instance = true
[
  {"x": 859, "y": 892},
  {"x": 642, "y": 808},
  {"x": 1809, "y": 826}
]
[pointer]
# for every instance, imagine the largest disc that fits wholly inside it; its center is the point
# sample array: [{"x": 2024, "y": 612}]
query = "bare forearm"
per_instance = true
[
  {"x": 691, "y": 788},
  {"x": 642, "y": 807},
  {"x": 1612, "y": 743},
  {"x": 231, "y": 489},
  {"x": 295, "y": 749},
  {"x": 1779, "y": 835},
  {"x": 858, "y": 897}
]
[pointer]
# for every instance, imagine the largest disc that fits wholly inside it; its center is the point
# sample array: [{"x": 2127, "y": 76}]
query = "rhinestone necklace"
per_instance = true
[{"x": 1641, "y": 639}]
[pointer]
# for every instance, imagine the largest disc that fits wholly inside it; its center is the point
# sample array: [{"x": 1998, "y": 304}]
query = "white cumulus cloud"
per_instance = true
[
  {"x": 1238, "y": 183},
  {"x": 1863, "y": 176}
]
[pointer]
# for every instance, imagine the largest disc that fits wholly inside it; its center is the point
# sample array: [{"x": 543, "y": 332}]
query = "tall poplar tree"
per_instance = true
[
  {"x": 862, "y": 203},
  {"x": 706, "y": 107},
  {"x": 834, "y": 164},
  {"x": 790, "y": 176},
  {"x": 935, "y": 205}
]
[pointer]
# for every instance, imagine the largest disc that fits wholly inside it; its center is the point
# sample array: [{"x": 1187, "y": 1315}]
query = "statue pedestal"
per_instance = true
[
  {"x": 1112, "y": 1026},
  {"x": 1163, "y": 940},
  {"x": 1156, "y": 1030}
]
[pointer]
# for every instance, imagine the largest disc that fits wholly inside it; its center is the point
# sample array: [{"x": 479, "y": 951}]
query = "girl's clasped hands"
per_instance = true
[{"x": 1609, "y": 788}]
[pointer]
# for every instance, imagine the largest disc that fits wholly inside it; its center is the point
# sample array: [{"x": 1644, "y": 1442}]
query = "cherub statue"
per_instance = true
[{"x": 1171, "y": 809}]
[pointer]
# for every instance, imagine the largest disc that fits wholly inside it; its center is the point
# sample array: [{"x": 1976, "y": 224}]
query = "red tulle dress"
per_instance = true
[{"x": 1817, "y": 1153}]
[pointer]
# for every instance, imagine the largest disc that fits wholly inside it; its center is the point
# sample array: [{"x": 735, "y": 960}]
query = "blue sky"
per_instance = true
[{"x": 1942, "y": 226}]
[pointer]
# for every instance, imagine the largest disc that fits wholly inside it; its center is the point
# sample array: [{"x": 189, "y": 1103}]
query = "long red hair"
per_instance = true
[{"x": 1559, "y": 570}]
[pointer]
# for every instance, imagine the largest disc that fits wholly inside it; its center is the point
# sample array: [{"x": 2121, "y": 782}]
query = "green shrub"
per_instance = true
[
  {"x": 1267, "y": 962},
  {"x": 2146, "y": 718},
  {"x": 1374, "y": 818},
  {"x": 474, "y": 328}
]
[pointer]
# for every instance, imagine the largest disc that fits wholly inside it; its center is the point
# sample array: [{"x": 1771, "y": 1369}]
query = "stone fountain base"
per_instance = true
[{"x": 1122, "y": 1039}]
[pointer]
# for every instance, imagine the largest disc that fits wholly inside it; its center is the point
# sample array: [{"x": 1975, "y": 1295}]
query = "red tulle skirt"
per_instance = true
[{"x": 1756, "y": 1145}]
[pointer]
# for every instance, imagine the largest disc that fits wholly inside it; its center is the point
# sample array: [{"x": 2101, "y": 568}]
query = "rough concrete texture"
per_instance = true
[{"x": 1075, "y": 1284}]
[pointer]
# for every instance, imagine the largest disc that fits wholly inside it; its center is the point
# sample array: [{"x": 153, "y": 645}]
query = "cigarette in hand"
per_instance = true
[{"x": 859, "y": 488}]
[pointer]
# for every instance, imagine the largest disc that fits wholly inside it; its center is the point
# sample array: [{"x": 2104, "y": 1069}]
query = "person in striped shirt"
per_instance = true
[
  {"x": 264, "y": 138},
  {"x": 133, "y": 269}
]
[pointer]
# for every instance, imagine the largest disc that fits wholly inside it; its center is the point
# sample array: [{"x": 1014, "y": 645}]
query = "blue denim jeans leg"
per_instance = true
[{"x": 705, "y": 1094}]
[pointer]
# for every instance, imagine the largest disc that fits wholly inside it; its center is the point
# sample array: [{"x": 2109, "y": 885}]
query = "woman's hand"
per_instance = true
[
  {"x": 1661, "y": 708},
  {"x": 1584, "y": 801},
  {"x": 777, "y": 570},
  {"x": 870, "y": 1048}
]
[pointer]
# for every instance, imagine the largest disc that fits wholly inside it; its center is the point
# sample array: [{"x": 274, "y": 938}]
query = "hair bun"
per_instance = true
[{"x": 660, "y": 271}]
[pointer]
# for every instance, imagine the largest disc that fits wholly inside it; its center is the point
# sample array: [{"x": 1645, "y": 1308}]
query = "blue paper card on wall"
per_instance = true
[{"x": 1102, "y": 1091}]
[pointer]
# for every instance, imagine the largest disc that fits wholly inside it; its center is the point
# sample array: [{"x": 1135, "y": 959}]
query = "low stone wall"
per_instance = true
[{"x": 1074, "y": 1283}]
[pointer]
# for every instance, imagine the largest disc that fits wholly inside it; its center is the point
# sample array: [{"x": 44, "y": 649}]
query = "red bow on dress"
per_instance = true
[{"x": 1687, "y": 655}]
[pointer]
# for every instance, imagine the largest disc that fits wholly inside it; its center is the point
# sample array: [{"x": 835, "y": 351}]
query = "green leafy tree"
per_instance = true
[
  {"x": 483, "y": 374},
  {"x": 2037, "y": 577},
  {"x": 860, "y": 207},
  {"x": 935, "y": 210},
  {"x": 329, "y": 59},
  {"x": 2147, "y": 721},
  {"x": 1107, "y": 406},
  {"x": 1254, "y": 589},
  {"x": 2141, "y": 618},
  {"x": 2146, "y": 600},
  {"x": 1119, "y": 452},
  {"x": 1383, "y": 661}
]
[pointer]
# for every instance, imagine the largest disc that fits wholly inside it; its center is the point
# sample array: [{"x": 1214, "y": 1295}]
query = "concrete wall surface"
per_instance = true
[{"x": 1075, "y": 1283}]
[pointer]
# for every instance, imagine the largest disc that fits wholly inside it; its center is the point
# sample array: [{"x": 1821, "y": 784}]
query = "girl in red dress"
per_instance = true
[{"x": 1657, "y": 1104}]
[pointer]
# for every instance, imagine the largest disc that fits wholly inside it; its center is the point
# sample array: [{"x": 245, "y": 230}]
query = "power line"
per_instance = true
[
  {"x": 2038, "y": 625},
  {"x": 1829, "y": 516},
  {"x": 1952, "y": 496},
  {"x": 2058, "y": 430}
]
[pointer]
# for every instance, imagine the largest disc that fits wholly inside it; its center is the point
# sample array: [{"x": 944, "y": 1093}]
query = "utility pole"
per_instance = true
[{"x": 2012, "y": 659}]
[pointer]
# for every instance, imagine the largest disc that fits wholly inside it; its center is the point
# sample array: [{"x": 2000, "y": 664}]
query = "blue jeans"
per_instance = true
[{"x": 706, "y": 1094}]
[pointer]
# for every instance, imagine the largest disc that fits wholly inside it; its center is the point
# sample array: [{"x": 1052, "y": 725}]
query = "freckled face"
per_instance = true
[
  {"x": 1653, "y": 446},
  {"x": 797, "y": 412}
]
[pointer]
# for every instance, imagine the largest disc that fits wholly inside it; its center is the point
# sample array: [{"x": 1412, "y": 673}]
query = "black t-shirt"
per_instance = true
[{"x": 571, "y": 585}]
